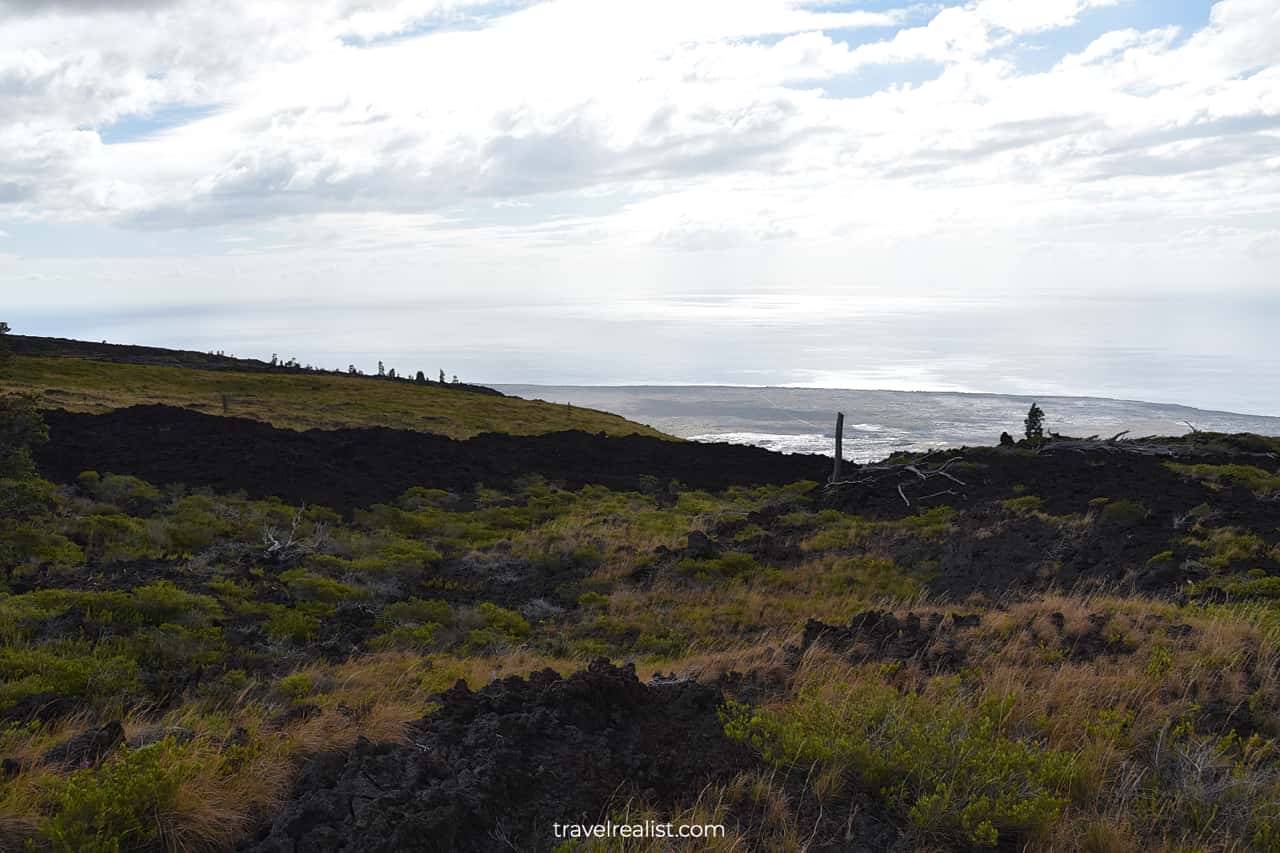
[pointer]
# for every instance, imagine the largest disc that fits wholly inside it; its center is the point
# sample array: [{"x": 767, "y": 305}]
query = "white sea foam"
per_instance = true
[{"x": 877, "y": 423}]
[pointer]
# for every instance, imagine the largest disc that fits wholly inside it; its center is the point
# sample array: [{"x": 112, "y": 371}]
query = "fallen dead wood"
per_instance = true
[
  {"x": 903, "y": 477},
  {"x": 1136, "y": 447},
  {"x": 1148, "y": 446}
]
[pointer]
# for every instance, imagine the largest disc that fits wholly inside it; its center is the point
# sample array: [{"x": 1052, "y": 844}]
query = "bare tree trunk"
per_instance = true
[{"x": 835, "y": 468}]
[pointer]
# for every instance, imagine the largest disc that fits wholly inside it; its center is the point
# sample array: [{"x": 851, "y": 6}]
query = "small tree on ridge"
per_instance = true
[{"x": 1034, "y": 424}]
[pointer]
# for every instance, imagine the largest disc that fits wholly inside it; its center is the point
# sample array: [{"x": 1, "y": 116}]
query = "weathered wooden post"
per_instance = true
[{"x": 835, "y": 468}]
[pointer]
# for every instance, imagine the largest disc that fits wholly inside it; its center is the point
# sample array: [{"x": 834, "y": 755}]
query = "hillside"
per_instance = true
[
  {"x": 291, "y": 399},
  {"x": 1071, "y": 649},
  {"x": 45, "y": 347},
  {"x": 219, "y": 634}
]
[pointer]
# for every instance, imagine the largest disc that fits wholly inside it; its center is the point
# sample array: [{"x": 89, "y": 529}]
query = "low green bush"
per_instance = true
[
  {"x": 99, "y": 675},
  {"x": 945, "y": 765},
  {"x": 1024, "y": 505},
  {"x": 113, "y": 538},
  {"x": 412, "y": 624},
  {"x": 26, "y": 547},
  {"x": 1123, "y": 514},
  {"x": 1223, "y": 546},
  {"x": 499, "y": 627},
  {"x": 733, "y": 564},
  {"x": 115, "y": 807},
  {"x": 1257, "y": 480},
  {"x": 307, "y": 586},
  {"x": 292, "y": 625}
]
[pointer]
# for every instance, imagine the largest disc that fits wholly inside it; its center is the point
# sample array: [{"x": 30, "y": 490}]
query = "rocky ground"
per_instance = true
[{"x": 1064, "y": 649}]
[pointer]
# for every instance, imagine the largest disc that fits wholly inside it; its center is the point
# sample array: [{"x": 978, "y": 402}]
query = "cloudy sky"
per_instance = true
[{"x": 1031, "y": 196}]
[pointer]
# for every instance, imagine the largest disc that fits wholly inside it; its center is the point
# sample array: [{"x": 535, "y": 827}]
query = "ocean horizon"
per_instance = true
[{"x": 878, "y": 423}]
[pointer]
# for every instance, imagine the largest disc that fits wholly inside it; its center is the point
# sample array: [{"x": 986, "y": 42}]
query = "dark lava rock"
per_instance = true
[
  {"x": 155, "y": 734},
  {"x": 296, "y": 714},
  {"x": 495, "y": 769},
  {"x": 344, "y": 631},
  {"x": 41, "y": 707},
  {"x": 349, "y": 468},
  {"x": 1102, "y": 638},
  {"x": 238, "y": 738},
  {"x": 87, "y": 748},
  {"x": 880, "y": 635},
  {"x": 700, "y": 547}
]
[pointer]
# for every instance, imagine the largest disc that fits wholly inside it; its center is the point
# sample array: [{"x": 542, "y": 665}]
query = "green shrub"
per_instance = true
[
  {"x": 412, "y": 624},
  {"x": 733, "y": 564},
  {"x": 296, "y": 686},
  {"x": 932, "y": 522},
  {"x": 196, "y": 522},
  {"x": 581, "y": 559},
  {"x": 1226, "y": 545},
  {"x": 1123, "y": 514},
  {"x": 21, "y": 429},
  {"x": 415, "y": 611},
  {"x": 501, "y": 619},
  {"x": 26, "y": 497},
  {"x": 170, "y": 652},
  {"x": 26, "y": 546},
  {"x": 1025, "y": 505},
  {"x": 870, "y": 576},
  {"x": 116, "y": 807},
  {"x": 1257, "y": 480},
  {"x": 421, "y": 637},
  {"x": 667, "y": 643},
  {"x": 129, "y": 493},
  {"x": 113, "y": 538},
  {"x": 1203, "y": 787},
  {"x": 1265, "y": 587},
  {"x": 945, "y": 765},
  {"x": 1159, "y": 662},
  {"x": 499, "y": 627},
  {"x": 399, "y": 557},
  {"x": 419, "y": 498},
  {"x": 306, "y": 586},
  {"x": 286, "y": 625},
  {"x": 162, "y": 602},
  {"x": 96, "y": 674}
]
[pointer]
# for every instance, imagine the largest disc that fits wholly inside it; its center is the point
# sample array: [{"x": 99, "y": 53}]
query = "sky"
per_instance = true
[{"x": 1017, "y": 196}]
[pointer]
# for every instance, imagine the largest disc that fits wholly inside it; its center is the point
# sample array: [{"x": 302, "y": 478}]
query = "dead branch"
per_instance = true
[
  {"x": 952, "y": 492},
  {"x": 280, "y": 545},
  {"x": 899, "y": 476},
  {"x": 1112, "y": 445}
]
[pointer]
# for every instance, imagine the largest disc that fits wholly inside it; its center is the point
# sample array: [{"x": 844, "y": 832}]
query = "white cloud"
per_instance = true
[
  {"x": 586, "y": 99},
  {"x": 1019, "y": 16},
  {"x": 650, "y": 145}
]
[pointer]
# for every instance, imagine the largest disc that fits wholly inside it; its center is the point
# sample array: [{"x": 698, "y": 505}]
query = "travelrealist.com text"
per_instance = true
[{"x": 645, "y": 829}]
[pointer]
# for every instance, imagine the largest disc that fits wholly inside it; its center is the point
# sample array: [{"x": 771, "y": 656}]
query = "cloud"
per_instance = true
[
  {"x": 97, "y": 7},
  {"x": 623, "y": 112}
]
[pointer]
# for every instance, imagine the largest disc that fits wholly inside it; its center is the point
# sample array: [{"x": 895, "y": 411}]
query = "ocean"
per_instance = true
[{"x": 877, "y": 423}]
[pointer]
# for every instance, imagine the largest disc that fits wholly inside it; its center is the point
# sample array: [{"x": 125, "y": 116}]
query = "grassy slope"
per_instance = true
[
  {"x": 1162, "y": 736},
  {"x": 300, "y": 401}
]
